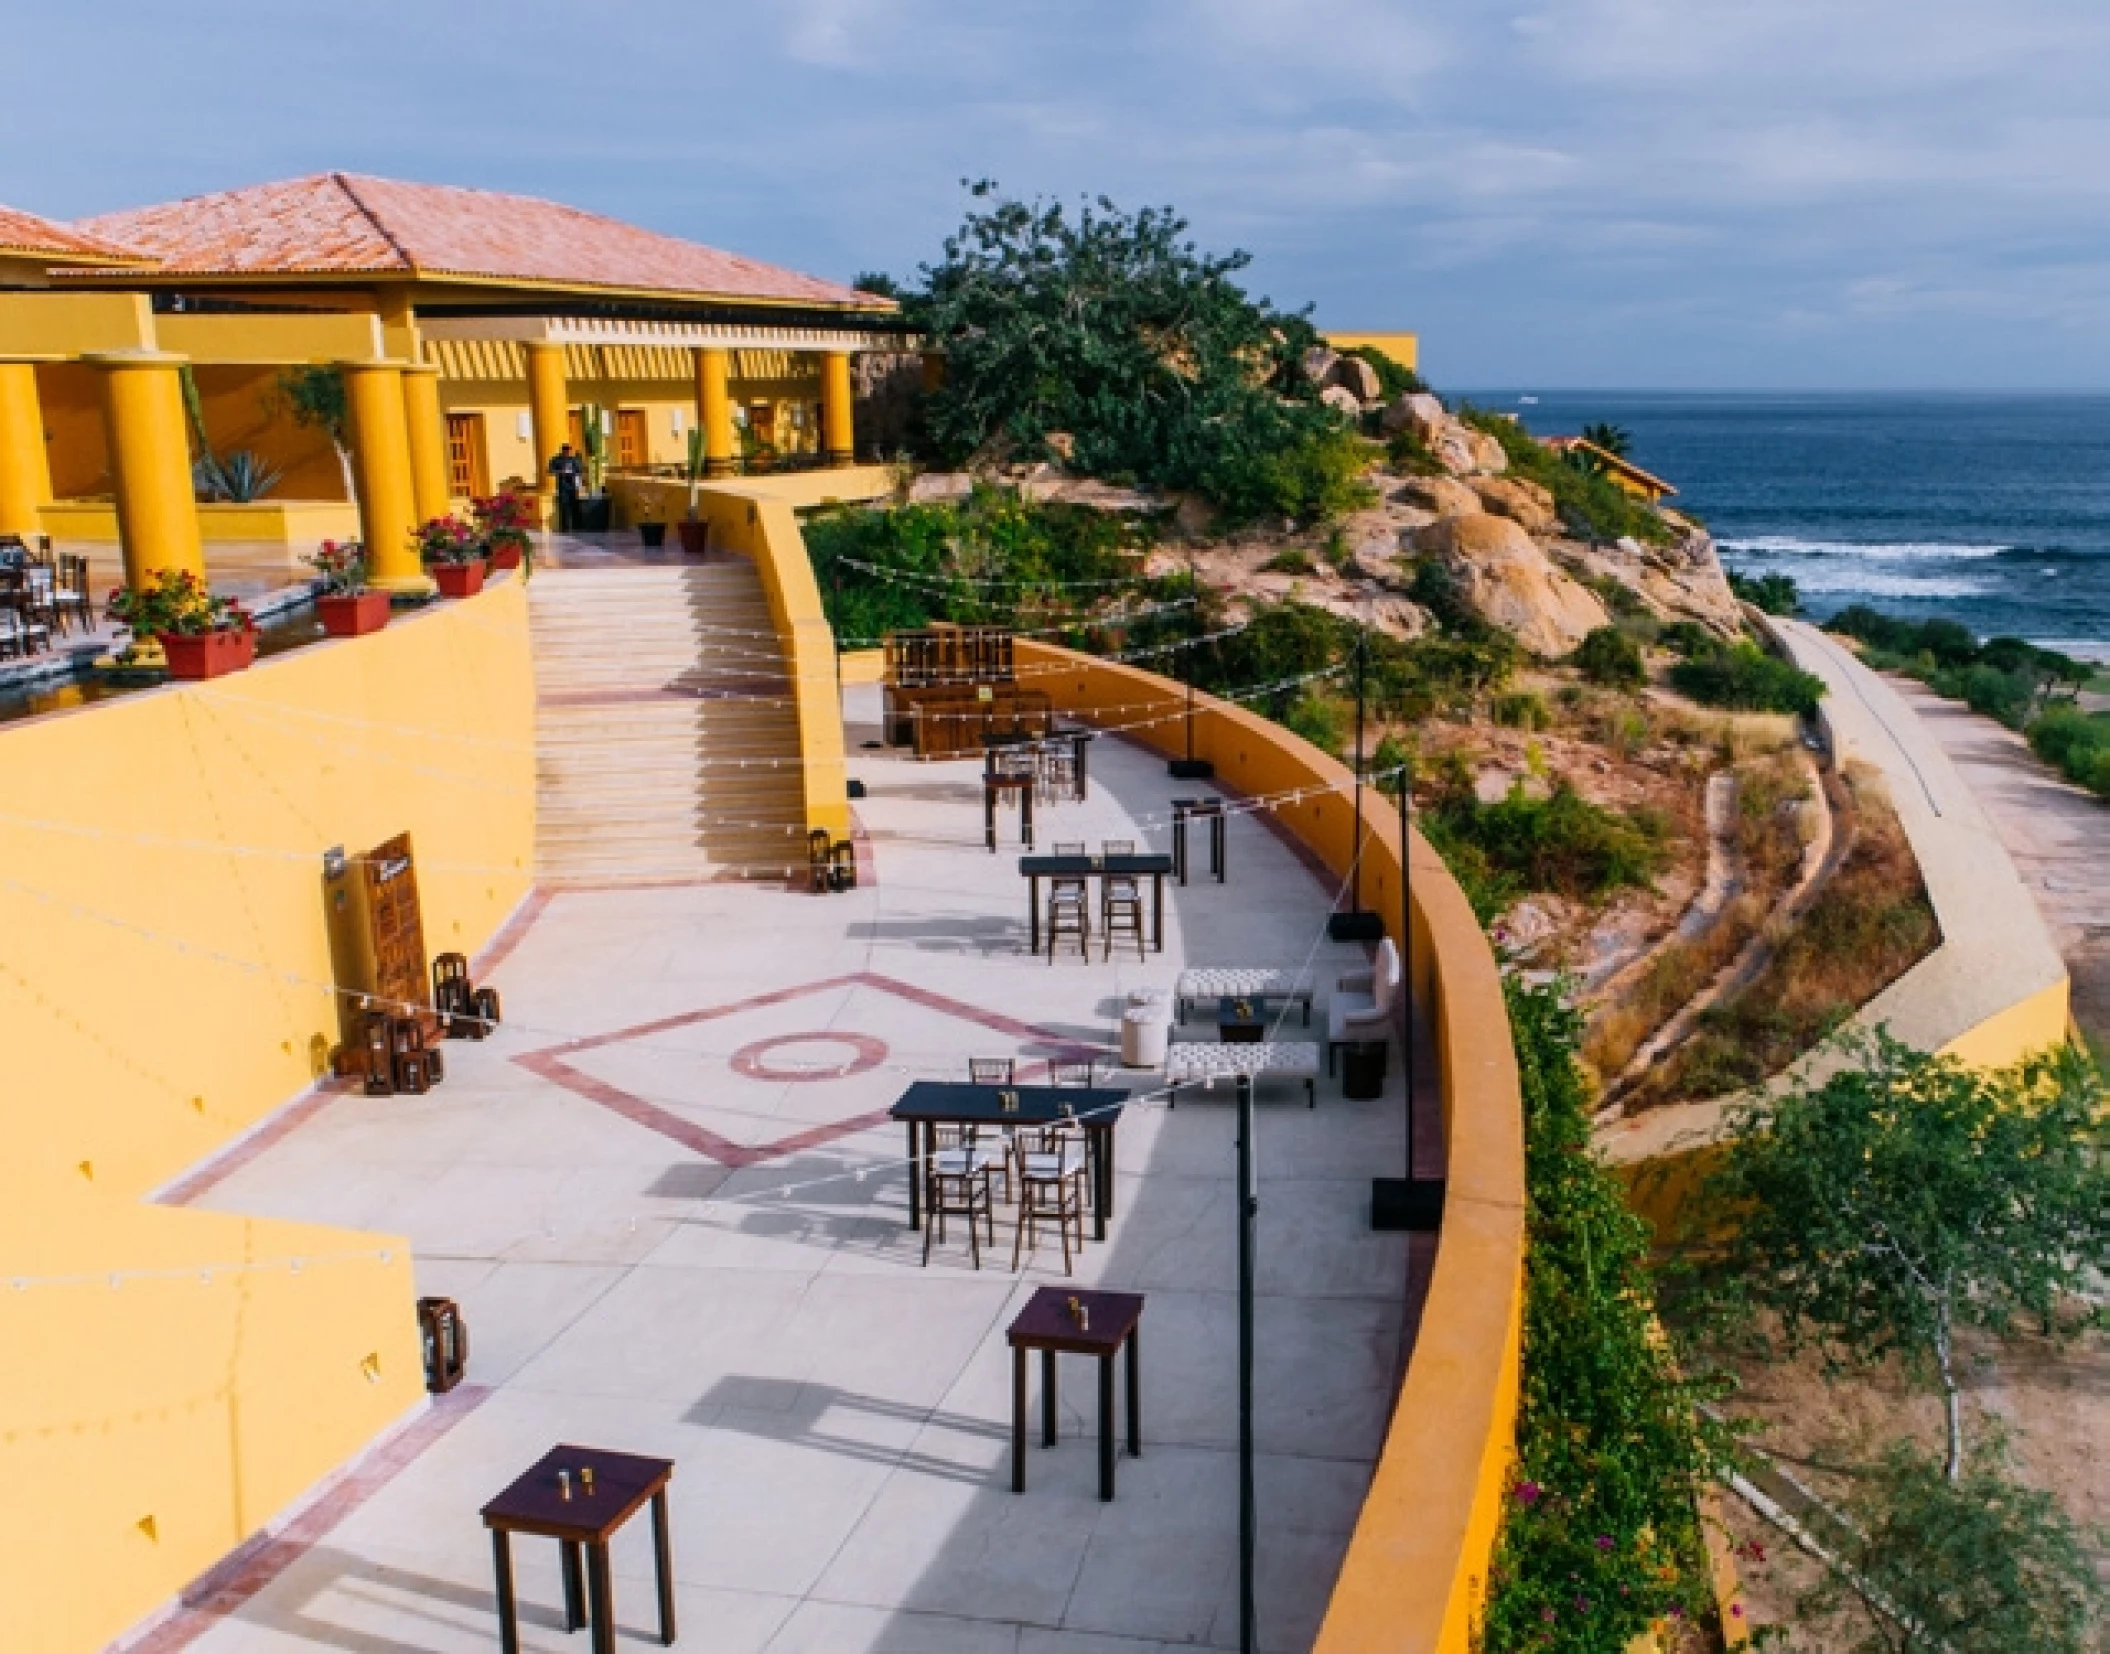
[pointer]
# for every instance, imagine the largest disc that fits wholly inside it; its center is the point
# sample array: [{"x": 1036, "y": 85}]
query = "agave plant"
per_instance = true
[{"x": 246, "y": 475}]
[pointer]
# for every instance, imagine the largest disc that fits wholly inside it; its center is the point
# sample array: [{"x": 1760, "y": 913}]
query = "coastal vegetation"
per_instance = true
[
  {"x": 1107, "y": 340},
  {"x": 1588, "y": 503},
  {"x": 1773, "y": 594},
  {"x": 1741, "y": 677},
  {"x": 1601, "y": 1537}
]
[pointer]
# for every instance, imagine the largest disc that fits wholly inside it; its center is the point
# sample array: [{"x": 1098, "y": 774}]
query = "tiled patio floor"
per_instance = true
[{"x": 838, "y": 1413}]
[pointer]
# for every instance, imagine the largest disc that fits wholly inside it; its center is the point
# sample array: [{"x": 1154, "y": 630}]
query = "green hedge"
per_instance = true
[{"x": 1741, "y": 677}]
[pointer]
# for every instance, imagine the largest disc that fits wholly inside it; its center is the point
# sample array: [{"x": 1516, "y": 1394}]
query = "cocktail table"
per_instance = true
[
  {"x": 1242, "y": 1019},
  {"x": 1072, "y": 1321},
  {"x": 579, "y": 1496}
]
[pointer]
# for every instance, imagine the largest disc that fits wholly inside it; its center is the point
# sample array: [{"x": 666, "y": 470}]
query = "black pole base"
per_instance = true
[
  {"x": 1356, "y": 925},
  {"x": 1190, "y": 769},
  {"x": 1414, "y": 1204}
]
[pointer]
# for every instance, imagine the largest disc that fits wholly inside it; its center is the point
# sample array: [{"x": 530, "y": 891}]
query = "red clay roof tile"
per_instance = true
[
  {"x": 26, "y": 233},
  {"x": 344, "y": 224}
]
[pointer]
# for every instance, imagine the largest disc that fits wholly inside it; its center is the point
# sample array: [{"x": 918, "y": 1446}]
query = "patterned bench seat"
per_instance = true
[
  {"x": 1197, "y": 1062},
  {"x": 1211, "y": 982}
]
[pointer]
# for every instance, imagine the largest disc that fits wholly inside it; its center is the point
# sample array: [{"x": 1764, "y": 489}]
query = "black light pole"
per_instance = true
[
  {"x": 1406, "y": 1203},
  {"x": 1248, "y": 1207},
  {"x": 1354, "y": 924},
  {"x": 1191, "y": 768}
]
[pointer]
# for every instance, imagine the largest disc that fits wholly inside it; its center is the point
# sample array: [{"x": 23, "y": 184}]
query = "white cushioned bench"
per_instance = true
[
  {"x": 1196, "y": 1062},
  {"x": 1207, "y": 982}
]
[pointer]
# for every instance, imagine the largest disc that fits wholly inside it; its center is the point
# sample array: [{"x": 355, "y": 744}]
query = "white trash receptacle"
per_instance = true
[{"x": 1143, "y": 1035}]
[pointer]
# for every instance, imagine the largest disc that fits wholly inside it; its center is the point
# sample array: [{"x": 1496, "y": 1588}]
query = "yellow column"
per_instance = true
[
  {"x": 838, "y": 434},
  {"x": 25, "y": 469},
  {"x": 388, "y": 508},
  {"x": 714, "y": 407},
  {"x": 549, "y": 408},
  {"x": 427, "y": 432},
  {"x": 149, "y": 441}
]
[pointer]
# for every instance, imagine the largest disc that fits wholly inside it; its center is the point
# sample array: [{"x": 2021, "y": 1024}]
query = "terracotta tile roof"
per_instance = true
[
  {"x": 24, "y": 233},
  {"x": 338, "y": 223}
]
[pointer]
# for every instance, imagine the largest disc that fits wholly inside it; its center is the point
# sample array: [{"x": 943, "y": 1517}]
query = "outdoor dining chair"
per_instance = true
[
  {"x": 1052, "y": 1168},
  {"x": 956, "y": 1180}
]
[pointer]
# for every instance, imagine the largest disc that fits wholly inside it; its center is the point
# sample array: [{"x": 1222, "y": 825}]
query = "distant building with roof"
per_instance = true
[{"x": 1641, "y": 484}]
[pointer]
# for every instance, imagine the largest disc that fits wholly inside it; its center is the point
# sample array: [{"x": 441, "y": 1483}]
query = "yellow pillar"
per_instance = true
[
  {"x": 714, "y": 409},
  {"x": 549, "y": 409},
  {"x": 388, "y": 506},
  {"x": 427, "y": 433},
  {"x": 149, "y": 441},
  {"x": 838, "y": 434},
  {"x": 25, "y": 469}
]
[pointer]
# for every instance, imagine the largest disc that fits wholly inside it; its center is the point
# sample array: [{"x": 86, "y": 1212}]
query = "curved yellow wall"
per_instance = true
[
  {"x": 164, "y": 985},
  {"x": 1416, "y": 1570}
]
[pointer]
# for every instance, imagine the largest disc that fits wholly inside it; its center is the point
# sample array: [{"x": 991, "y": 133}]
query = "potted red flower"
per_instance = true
[
  {"x": 506, "y": 520},
  {"x": 454, "y": 555},
  {"x": 201, "y": 636},
  {"x": 343, "y": 603}
]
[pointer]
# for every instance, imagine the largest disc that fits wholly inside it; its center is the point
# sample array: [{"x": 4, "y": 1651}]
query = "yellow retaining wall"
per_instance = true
[
  {"x": 164, "y": 985},
  {"x": 755, "y": 517},
  {"x": 298, "y": 525},
  {"x": 1416, "y": 1570}
]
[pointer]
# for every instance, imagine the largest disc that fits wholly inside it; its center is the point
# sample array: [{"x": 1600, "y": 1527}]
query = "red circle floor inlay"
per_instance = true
[{"x": 868, "y": 1053}]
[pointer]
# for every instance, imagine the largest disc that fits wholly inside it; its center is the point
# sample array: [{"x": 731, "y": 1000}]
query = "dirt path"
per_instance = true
[{"x": 2057, "y": 836}]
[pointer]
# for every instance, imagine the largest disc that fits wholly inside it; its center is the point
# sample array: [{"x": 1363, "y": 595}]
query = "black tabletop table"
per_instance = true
[
  {"x": 1097, "y": 1109},
  {"x": 1152, "y": 866},
  {"x": 579, "y": 1496},
  {"x": 1059, "y": 1320}
]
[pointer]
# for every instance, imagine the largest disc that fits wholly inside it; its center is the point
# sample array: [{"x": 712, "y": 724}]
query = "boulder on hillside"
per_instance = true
[
  {"x": 1417, "y": 411},
  {"x": 1488, "y": 454},
  {"x": 1446, "y": 496},
  {"x": 936, "y": 487},
  {"x": 1504, "y": 578},
  {"x": 1318, "y": 364},
  {"x": 1683, "y": 581},
  {"x": 1354, "y": 374},
  {"x": 1523, "y": 502},
  {"x": 1337, "y": 396}
]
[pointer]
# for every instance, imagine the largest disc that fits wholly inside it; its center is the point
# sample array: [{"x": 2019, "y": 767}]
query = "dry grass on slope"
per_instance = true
[{"x": 1866, "y": 928}]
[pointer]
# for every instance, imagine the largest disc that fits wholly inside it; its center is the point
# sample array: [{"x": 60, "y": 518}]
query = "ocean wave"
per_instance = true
[
  {"x": 1851, "y": 582},
  {"x": 1897, "y": 551}
]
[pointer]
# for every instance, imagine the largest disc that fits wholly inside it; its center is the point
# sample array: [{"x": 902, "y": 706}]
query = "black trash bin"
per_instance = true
[{"x": 1363, "y": 1070}]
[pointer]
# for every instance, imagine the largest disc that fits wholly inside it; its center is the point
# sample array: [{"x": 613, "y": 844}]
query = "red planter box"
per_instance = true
[
  {"x": 695, "y": 537},
  {"x": 459, "y": 579},
  {"x": 208, "y": 654},
  {"x": 506, "y": 555},
  {"x": 353, "y": 616}
]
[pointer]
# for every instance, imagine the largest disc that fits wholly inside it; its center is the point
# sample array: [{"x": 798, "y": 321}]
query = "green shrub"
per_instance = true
[
  {"x": 1686, "y": 638},
  {"x": 2078, "y": 743},
  {"x": 1526, "y": 709},
  {"x": 1321, "y": 719},
  {"x": 1306, "y": 476},
  {"x": 1561, "y": 843},
  {"x": 2008, "y": 696},
  {"x": 1601, "y": 1531},
  {"x": 1774, "y": 594},
  {"x": 1407, "y": 453},
  {"x": 1291, "y": 560},
  {"x": 1744, "y": 678},
  {"x": 1610, "y": 658}
]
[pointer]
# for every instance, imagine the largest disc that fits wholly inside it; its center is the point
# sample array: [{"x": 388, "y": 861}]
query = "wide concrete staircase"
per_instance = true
[{"x": 654, "y": 686}]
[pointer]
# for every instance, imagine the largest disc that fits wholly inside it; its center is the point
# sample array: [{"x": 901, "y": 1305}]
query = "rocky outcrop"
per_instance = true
[
  {"x": 1524, "y": 503},
  {"x": 1508, "y": 581},
  {"x": 1682, "y": 581},
  {"x": 1357, "y": 376},
  {"x": 1046, "y": 483},
  {"x": 1446, "y": 496},
  {"x": 1337, "y": 396},
  {"x": 1458, "y": 448}
]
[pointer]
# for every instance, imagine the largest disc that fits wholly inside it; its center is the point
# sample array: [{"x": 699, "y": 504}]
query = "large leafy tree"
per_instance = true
[
  {"x": 1113, "y": 330},
  {"x": 1909, "y": 1197}
]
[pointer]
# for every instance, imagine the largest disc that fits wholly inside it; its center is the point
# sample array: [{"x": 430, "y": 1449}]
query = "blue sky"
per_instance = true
[{"x": 1653, "y": 193}]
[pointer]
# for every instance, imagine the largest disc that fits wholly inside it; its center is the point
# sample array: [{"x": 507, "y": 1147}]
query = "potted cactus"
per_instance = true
[
  {"x": 695, "y": 533},
  {"x": 593, "y": 439},
  {"x": 343, "y": 602},
  {"x": 453, "y": 553}
]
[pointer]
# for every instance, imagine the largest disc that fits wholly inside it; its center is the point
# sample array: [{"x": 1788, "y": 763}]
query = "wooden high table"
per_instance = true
[
  {"x": 582, "y": 1525},
  {"x": 1096, "y": 1110},
  {"x": 1152, "y": 866},
  {"x": 1048, "y": 1324}
]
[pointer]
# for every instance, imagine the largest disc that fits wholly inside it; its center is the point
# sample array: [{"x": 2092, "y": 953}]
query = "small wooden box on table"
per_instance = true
[
  {"x": 1059, "y": 1321},
  {"x": 579, "y": 1496}
]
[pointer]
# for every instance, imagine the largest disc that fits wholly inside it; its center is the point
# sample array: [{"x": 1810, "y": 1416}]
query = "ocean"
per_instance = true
[{"x": 1993, "y": 510}]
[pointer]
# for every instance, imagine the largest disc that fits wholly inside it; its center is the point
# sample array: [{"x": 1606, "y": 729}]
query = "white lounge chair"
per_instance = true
[{"x": 1363, "y": 1005}]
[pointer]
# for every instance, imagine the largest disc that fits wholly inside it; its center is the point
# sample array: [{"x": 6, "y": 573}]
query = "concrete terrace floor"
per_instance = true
[{"x": 839, "y": 1414}]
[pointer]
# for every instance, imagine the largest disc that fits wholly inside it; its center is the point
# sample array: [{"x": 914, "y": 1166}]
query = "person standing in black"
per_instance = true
[{"x": 568, "y": 474}]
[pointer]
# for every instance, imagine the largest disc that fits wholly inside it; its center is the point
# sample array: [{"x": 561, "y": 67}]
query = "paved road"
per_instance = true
[{"x": 2057, "y": 835}]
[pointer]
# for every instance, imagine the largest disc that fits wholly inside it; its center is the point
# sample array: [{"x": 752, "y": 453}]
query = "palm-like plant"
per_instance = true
[{"x": 1613, "y": 439}]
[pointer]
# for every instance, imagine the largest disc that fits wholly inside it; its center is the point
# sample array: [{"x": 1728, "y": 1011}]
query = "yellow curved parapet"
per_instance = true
[
  {"x": 1416, "y": 1570},
  {"x": 171, "y": 1380}
]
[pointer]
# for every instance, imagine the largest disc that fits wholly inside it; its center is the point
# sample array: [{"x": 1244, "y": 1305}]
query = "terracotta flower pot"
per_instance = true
[
  {"x": 506, "y": 555},
  {"x": 695, "y": 537},
  {"x": 353, "y": 616},
  {"x": 459, "y": 579},
  {"x": 198, "y": 655}
]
